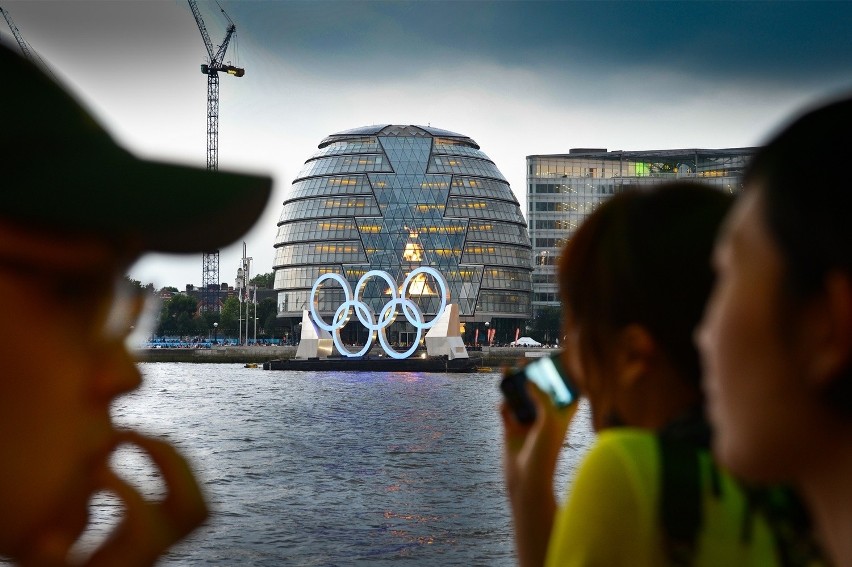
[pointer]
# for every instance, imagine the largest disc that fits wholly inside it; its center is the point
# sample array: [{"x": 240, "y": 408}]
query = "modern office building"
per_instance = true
[
  {"x": 395, "y": 198},
  {"x": 563, "y": 189}
]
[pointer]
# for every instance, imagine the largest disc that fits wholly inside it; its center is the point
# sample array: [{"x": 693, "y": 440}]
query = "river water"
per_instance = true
[{"x": 332, "y": 468}]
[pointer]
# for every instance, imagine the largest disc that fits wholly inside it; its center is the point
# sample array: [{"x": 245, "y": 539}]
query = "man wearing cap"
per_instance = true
[{"x": 76, "y": 211}]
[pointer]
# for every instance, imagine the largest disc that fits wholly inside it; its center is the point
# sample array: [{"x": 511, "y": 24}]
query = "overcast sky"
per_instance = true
[{"x": 520, "y": 78}]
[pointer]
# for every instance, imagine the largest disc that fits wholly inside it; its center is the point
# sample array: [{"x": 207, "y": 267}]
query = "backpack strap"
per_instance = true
[
  {"x": 681, "y": 444},
  {"x": 680, "y": 503},
  {"x": 790, "y": 524}
]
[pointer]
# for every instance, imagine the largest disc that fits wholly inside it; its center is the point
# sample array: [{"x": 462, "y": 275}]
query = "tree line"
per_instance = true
[{"x": 179, "y": 315}]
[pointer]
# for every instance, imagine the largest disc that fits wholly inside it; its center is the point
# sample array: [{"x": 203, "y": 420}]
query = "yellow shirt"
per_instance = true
[{"x": 612, "y": 515}]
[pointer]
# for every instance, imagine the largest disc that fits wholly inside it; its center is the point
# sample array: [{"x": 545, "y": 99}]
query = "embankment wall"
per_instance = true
[{"x": 494, "y": 357}]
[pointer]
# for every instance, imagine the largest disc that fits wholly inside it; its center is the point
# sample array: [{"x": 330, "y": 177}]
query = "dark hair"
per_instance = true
[
  {"x": 803, "y": 188},
  {"x": 643, "y": 257}
]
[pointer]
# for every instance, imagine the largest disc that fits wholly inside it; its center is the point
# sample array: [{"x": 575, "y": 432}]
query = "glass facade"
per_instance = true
[
  {"x": 395, "y": 198},
  {"x": 563, "y": 189}
]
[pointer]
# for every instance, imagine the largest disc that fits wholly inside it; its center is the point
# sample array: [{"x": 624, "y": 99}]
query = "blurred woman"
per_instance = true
[
  {"x": 777, "y": 337},
  {"x": 634, "y": 280}
]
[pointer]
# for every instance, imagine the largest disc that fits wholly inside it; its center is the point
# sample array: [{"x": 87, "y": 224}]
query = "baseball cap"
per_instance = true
[{"x": 63, "y": 172}]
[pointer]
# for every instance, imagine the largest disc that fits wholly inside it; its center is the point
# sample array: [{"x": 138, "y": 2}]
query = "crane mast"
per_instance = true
[
  {"x": 214, "y": 65},
  {"x": 25, "y": 49},
  {"x": 28, "y": 52}
]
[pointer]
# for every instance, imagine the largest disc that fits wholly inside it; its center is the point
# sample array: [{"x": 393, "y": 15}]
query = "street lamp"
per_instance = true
[{"x": 215, "y": 333}]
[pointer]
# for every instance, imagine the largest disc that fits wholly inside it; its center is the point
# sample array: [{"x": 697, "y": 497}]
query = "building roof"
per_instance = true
[
  {"x": 397, "y": 130},
  {"x": 649, "y": 154}
]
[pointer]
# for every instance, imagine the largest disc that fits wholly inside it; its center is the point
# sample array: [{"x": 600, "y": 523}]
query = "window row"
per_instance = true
[
  {"x": 495, "y": 231},
  {"x": 408, "y": 182},
  {"x": 550, "y": 242},
  {"x": 464, "y": 166},
  {"x": 345, "y": 164},
  {"x": 496, "y": 254},
  {"x": 502, "y": 302},
  {"x": 339, "y": 185},
  {"x": 303, "y": 276},
  {"x": 505, "y": 278},
  {"x": 297, "y": 300},
  {"x": 320, "y": 253},
  {"x": 476, "y": 187},
  {"x": 456, "y": 150},
  {"x": 388, "y": 224},
  {"x": 546, "y": 258},
  {"x": 328, "y": 300},
  {"x": 582, "y": 207},
  {"x": 326, "y": 229},
  {"x": 618, "y": 165},
  {"x": 578, "y": 167},
  {"x": 548, "y": 224},
  {"x": 364, "y": 206},
  {"x": 580, "y": 189},
  {"x": 483, "y": 209},
  {"x": 541, "y": 188},
  {"x": 542, "y": 278},
  {"x": 350, "y": 146},
  {"x": 546, "y": 297}
]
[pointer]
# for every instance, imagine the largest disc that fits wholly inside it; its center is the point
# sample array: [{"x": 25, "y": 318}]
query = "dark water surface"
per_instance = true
[{"x": 333, "y": 468}]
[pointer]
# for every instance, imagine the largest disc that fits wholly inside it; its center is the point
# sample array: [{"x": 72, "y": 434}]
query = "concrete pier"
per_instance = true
[{"x": 494, "y": 358}]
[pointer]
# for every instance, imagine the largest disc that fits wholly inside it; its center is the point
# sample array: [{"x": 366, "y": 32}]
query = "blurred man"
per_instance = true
[{"x": 76, "y": 211}]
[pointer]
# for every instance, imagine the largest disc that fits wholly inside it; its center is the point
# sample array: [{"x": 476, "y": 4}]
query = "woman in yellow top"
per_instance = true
[{"x": 634, "y": 280}]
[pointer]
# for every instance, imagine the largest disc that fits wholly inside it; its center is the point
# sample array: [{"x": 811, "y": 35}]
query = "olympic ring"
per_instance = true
[{"x": 387, "y": 315}]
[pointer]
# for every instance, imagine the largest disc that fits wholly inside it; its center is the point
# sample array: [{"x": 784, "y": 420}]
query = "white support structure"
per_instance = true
[
  {"x": 444, "y": 338},
  {"x": 314, "y": 342}
]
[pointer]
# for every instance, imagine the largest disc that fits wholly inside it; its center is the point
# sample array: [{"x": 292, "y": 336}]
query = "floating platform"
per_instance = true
[{"x": 376, "y": 364}]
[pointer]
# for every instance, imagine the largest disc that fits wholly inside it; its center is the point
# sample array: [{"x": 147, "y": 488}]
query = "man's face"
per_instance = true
[
  {"x": 59, "y": 376},
  {"x": 751, "y": 367}
]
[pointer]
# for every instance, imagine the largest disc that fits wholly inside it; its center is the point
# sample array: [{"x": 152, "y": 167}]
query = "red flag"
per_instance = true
[
  {"x": 517, "y": 333},
  {"x": 476, "y": 336}
]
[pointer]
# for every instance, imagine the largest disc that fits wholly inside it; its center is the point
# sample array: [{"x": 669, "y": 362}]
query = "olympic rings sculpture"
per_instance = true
[{"x": 387, "y": 315}]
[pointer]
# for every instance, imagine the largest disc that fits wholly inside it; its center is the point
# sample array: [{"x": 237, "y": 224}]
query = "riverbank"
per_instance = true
[{"x": 491, "y": 357}]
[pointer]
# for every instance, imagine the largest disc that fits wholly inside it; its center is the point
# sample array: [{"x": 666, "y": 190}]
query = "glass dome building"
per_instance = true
[{"x": 394, "y": 198}]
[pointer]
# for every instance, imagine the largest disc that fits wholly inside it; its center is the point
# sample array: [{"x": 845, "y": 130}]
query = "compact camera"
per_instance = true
[{"x": 549, "y": 375}]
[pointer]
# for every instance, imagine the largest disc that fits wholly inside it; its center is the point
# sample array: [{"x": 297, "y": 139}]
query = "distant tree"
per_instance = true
[
  {"x": 546, "y": 324},
  {"x": 177, "y": 317},
  {"x": 264, "y": 280},
  {"x": 136, "y": 284},
  {"x": 206, "y": 321},
  {"x": 266, "y": 309},
  {"x": 270, "y": 325},
  {"x": 229, "y": 317},
  {"x": 169, "y": 288}
]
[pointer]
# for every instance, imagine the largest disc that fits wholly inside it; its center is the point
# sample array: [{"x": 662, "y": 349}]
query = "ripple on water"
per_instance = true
[{"x": 334, "y": 468}]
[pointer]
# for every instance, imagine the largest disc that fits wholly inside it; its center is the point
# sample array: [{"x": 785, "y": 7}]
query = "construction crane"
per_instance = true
[
  {"x": 214, "y": 65},
  {"x": 27, "y": 51}
]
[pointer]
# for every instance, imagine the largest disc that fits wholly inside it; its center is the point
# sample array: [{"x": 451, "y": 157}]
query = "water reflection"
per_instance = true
[{"x": 333, "y": 468}]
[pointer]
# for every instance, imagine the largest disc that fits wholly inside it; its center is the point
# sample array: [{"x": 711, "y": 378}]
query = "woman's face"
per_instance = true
[
  {"x": 752, "y": 370},
  {"x": 588, "y": 377}
]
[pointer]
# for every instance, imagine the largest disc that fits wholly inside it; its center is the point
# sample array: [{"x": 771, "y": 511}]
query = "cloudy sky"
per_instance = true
[{"x": 520, "y": 78}]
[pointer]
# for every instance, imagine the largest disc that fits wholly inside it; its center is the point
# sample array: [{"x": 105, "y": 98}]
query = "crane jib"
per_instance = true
[{"x": 210, "y": 271}]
